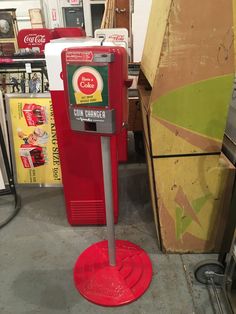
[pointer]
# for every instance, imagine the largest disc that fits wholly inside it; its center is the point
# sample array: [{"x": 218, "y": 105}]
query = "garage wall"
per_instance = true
[{"x": 53, "y": 17}]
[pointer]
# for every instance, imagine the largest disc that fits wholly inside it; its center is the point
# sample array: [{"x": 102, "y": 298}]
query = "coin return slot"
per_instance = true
[{"x": 90, "y": 126}]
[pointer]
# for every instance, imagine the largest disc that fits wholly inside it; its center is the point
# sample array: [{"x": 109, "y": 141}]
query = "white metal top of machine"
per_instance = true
[
  {"x": 53, "y": 55},
  {"x": 118, "y": 36}
]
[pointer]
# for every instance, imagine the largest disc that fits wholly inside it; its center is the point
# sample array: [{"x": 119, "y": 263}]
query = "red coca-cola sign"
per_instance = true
[
  {"x": 38, "y": 37},
  {"x": 28, "y": 38}
]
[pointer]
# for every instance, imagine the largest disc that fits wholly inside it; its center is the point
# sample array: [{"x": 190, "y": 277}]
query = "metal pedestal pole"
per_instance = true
[
  {"x": 107, "y": 179},
  {"x": 113, "y": 272}
]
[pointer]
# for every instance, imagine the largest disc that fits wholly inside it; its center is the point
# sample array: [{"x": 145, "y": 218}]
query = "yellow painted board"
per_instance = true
[
  {"x": 191, "y": 201},
  {"x": 197, "y": 45},
  {"x": 144, "y": 97},
  {"x": 234, "y": 29},
  {"x": 170, "y": 139},
  {"x": 154, "y": 39}
]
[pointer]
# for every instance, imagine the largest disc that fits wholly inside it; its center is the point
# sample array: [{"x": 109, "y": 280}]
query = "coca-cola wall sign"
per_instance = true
[
  {"x": 38, "y": 37},
  {"x": 28, "y": 38}
]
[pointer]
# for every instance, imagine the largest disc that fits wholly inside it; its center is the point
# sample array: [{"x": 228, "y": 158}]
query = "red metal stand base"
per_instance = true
[{"x": 117, "y": 285}]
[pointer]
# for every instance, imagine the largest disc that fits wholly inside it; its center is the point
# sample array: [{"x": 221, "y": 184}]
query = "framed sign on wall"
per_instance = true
[{"x": 8, "y": 32}]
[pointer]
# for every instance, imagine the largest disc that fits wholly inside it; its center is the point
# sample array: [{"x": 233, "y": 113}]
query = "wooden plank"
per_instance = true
[
  {"x": 191, "y": 200},
  {"x": 108, "y": 16},
  {"x": 158, "y": 22},
  {"x": 144, "y": 100},
  {"x": 153, "y": 193},
  {"x": 234, "y": 29},
  {"x": 122, "y": 14},
  {"x": 104, "y": 15},
  {"x": 188, "y": 61},
  {"x": 197, "y": 45}
]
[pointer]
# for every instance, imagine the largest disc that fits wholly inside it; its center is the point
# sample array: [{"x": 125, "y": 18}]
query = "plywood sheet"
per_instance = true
[
  {"x": 153, "y": 192},
  {"x": 198, "y": 44},
  {"x": 191, "y": 119},
  {"x": 191, "y": 200},
  {"x": 154, "y": 38},
  {"x": 146, "y": 128}
]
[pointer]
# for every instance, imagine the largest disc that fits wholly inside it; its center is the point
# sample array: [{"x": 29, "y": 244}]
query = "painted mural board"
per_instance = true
[
  {"x": 194, "y": 76},
  {"x": 193, "y": 200},
  {"x": 188, "y": 69}
]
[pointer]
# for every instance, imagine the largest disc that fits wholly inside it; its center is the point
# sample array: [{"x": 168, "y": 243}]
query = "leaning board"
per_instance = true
[{"x": 185, "y": 86}]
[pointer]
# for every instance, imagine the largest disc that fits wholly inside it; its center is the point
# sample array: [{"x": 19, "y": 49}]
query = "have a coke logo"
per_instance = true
[
  {"x": 87, "y": 83},
  {"x": 35, "y": 39}
]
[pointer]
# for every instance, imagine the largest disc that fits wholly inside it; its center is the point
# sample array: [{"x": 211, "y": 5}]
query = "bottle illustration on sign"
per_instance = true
[
  {"x": 33, "y": 152},
  {"x": 32, "y": 156},
  {"x": 34, "y": 114},
  {"x": 87, "y": 84}
]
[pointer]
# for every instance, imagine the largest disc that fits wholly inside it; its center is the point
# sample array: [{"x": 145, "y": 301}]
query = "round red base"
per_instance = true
[{"x": 107, "y": 285}]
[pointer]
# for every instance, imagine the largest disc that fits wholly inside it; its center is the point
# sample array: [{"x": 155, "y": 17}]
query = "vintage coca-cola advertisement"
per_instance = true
[
  {"x": 33, "y": 140},
  {"x": 34, "y": 39}
]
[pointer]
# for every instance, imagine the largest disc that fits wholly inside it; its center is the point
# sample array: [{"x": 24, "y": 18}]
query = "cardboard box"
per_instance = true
[{"x": 36, "y": 18}]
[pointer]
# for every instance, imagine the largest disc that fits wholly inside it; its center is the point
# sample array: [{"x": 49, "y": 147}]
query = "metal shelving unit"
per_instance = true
[{"x": 16, "y": 66}]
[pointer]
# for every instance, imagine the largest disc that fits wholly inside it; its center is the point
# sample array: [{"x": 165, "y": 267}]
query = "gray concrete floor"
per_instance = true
[{"x": 38, "y": 250}]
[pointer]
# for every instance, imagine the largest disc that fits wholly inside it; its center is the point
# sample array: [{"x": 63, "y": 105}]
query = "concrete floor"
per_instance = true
[{"x": 38, "y": 250}]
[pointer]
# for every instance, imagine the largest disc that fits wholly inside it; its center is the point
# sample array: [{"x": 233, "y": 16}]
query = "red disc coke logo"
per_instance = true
[
  {"x": 87, "y": 83},
  {"x": 35, "y": 39}
]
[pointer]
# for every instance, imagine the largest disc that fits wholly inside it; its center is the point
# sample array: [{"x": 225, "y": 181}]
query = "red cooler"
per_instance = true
[{"x": 90, "y": 104}]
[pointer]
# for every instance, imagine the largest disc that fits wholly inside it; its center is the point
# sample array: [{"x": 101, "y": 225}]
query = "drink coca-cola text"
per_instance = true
[{"x": 117, "y": 37}]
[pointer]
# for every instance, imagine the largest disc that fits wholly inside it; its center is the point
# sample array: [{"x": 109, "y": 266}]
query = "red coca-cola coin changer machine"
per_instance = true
[
  {"x": 89, "y": 113},
  {"x": 80, "y": 153}
]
